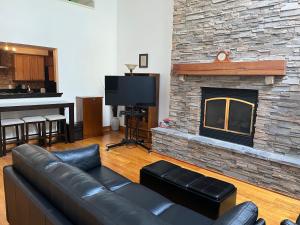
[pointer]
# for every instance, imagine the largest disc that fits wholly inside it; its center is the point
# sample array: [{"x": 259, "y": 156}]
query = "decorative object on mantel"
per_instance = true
[
  {"x": 131, "y": 67},
  {"x": 143, "y": 60},
  {"x": 167, "y": 123},
  {"x": 223, "y": 56},
  {"x": 223, "y": 66}
]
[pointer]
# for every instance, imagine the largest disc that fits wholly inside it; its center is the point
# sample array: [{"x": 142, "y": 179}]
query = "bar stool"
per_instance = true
[
  {"x": 39, "y": 123},
  {"x": 58, "y": 119},
  {"x": 16, "y": 123}
]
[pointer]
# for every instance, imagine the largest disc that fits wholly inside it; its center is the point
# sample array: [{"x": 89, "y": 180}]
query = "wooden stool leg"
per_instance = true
[
  {"x": 50, "y": 133},
  {"x": 17, "y": 134},
  {"x": 23, "y": 133},
  {"x": 27, "y": 132},
  {"x": 65, "y": 131},
  {"x": 44, "y": 133},
  {"x": 4, "y": 141}
]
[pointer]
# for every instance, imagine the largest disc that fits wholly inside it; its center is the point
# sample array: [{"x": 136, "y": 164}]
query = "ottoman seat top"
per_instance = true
[
  {"x": 183, "y": 177},
  {"x": 212, "y": 188},
  {"x": 160, "y": 168},
  {"x": 191, "y": 181}
]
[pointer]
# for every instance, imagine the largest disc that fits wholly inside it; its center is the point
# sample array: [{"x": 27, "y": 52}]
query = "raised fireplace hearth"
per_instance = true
[
  {"x": 266, "y": 169},
  {"x": 229, "y": 114}
]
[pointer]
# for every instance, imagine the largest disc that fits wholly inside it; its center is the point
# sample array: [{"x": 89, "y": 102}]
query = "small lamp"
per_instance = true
[{"x": 131, "y": 67}]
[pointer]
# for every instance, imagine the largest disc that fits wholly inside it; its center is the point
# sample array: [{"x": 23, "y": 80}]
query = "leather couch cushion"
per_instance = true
[
  {"x": 145, "y": 198},
  {"x": 160, "y": 168},
  {"x": 66, "y": 175},
  {"x": 182, "y": 177},
  {"x": 243, "y": 214},
  {"x": 113, "y": 209},
  {"x": 86, "y": 203},
  {"x": 212, "y": 188},
  {"x": 84, "y": 158},
  {"x": 179, "y": 215},
  {"x": 108, "y": 178}
]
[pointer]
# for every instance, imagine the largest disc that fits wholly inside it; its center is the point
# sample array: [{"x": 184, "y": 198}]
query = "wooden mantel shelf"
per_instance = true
[{"x": 229, "y": 68}]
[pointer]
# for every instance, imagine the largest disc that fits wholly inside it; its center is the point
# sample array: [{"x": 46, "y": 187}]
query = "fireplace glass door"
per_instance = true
[{"x": 229, "y": 114}]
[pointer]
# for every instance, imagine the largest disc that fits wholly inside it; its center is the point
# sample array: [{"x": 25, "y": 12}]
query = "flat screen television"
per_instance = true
[{"x": 130, "y": 90}]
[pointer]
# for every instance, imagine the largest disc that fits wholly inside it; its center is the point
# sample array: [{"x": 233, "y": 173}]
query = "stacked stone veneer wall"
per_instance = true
[
  {"x": 251, "y": 30},
  {"x": 277, "y": 174}
]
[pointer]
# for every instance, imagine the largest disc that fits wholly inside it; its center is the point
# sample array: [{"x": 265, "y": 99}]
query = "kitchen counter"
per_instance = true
[
  {"x": 11, "y": 95},
  {"x": 14, "y": 106}
]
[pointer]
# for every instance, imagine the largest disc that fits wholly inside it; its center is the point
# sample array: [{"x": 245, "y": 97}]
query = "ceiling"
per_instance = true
[{"x": 85, "y": 2}]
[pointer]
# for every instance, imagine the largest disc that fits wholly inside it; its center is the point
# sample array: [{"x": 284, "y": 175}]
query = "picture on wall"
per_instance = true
[{"x": 143, "y": 61}]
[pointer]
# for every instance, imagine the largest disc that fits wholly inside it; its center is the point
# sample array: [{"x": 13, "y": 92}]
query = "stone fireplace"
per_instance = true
[{"x": 269, "y": 153}]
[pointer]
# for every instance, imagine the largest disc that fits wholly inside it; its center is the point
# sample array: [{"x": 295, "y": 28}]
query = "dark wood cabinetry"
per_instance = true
[
  {"x": 150, "y": 118},
  {"x": 90, "y": 113},
  {"x": 29, "y": 68}
]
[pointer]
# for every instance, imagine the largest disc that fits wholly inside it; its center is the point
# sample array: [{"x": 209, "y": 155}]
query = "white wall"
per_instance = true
[
  {"x": 85, "y": 38},
  {"x": 93, "y": 42},
  {"x": 145, "y": 26}
]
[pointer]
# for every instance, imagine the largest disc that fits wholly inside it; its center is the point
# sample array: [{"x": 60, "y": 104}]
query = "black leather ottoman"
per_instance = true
[{"x": 206, "y": 195}]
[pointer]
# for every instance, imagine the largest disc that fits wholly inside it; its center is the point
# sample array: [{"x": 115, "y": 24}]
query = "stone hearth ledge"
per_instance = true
[{"x": 290, "y": 160}]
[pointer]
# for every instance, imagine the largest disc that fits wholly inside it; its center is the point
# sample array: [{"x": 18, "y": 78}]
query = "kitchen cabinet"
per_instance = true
[
  {"x": 89, "y": 112},
  {"x": 29, "y": 68}
]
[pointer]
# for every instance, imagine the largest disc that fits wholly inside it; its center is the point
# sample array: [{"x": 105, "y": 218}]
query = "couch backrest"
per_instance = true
[
  {"x": 75, "y": 157},
  {"x": 79, "y": 196}
]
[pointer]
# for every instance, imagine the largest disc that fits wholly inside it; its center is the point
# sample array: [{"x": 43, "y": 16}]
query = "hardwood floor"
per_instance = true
[{"x": 273, "y": 207}]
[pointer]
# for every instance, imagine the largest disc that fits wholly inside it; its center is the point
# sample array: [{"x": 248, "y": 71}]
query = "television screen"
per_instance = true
[{"x": 130, "y": 90}]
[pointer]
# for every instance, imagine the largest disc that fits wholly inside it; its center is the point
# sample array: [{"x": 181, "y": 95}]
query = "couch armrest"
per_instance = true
[
  {"x": 287, "y": 222},
  {"x": 242, "y": 214},
  {"x": 260, "y": 221},
  {"x": 84, "y": 158}
]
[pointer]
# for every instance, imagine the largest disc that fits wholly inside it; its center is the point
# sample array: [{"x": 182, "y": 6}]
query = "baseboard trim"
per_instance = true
[{"x": 107, "y": 129}]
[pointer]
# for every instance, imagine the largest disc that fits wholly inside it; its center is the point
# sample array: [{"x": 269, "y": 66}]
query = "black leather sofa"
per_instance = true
[{"x": 73, "y": 188}]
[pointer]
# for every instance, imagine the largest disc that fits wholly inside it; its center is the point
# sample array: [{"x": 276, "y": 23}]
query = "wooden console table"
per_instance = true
[{"x": 61, "y": 105}]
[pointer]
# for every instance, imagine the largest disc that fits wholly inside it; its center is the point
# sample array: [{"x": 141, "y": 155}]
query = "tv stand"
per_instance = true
[{"x": 131, "y": 138}]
